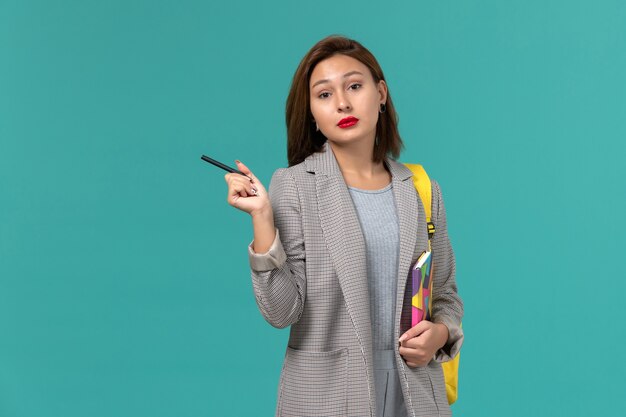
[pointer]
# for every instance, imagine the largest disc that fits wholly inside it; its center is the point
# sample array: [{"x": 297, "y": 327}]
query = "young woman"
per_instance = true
[{"x": 334, "y": 241}]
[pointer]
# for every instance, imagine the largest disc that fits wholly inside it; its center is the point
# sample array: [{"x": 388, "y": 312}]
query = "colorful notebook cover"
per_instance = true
[{"x": 422, "y": 289}]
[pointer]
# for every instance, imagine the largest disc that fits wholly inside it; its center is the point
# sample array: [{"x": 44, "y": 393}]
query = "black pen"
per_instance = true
[{"x": 226, "y": 168}]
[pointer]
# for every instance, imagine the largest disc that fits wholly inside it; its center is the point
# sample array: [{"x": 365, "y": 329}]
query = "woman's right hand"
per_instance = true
[{"x": 246, "y": 195}]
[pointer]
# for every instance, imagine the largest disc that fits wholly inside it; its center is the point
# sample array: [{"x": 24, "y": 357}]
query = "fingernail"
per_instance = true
[
  {"x": 402, "y": 338},
  {"x": 238, "y": 161}
]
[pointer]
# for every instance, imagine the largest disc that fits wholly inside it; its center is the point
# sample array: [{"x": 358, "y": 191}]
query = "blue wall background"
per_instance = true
[{"x": 124, "y": 283}]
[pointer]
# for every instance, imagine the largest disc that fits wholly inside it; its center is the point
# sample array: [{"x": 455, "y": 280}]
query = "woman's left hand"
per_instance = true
[{"x": 419, "y": 344}]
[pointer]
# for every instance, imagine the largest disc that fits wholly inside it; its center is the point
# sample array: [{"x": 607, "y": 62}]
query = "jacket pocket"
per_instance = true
[
  {"x": 313, "y": 384},
  {"x": 439, "y": 387}
]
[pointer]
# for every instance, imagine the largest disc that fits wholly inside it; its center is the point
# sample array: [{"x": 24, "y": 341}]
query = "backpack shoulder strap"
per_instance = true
[{"x": 424, "y": 189}]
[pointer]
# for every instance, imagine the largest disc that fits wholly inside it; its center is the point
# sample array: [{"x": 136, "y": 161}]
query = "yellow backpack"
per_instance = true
[{"x": 424, "y": 189}]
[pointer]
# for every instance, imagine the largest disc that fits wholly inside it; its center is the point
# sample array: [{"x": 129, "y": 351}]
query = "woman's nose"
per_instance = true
[{"x": 343, "y": 104}]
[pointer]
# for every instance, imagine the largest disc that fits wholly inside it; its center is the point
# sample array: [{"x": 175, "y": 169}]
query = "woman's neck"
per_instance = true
[{"x": 357, "y": 167}]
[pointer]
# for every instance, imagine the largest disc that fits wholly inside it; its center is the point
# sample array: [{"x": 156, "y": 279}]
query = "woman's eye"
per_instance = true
[
  {"x": 355, "y": 86},
  {"x": 324, "y": 95}
]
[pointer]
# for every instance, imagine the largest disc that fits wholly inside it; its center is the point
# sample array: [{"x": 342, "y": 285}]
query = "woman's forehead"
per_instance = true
[{"x": 336, "y": 68}]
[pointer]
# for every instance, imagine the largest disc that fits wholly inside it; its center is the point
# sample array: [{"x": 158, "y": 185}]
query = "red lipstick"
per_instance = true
[{"x": 347, "y": 122}]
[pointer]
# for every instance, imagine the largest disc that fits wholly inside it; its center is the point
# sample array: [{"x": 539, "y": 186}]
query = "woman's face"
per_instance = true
[{"x": 345, "y": 100}]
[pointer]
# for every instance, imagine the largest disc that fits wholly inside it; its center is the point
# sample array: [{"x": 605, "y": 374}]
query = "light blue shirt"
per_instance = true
[{"x": 378, "y": 216}]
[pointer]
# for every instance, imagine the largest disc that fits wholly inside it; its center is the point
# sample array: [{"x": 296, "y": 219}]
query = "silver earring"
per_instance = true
[
  {"x": 376, "y": 141},
  {"x": 383, "y": 107}
]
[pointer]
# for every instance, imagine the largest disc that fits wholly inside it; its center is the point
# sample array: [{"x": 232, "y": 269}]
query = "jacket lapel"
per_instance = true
[
  {"x": 408, "y": 208},
  {"x": 344, "y": 238}
]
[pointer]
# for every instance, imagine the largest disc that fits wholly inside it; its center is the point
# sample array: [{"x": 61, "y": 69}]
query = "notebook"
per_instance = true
[{"x": 422, "y": 288}]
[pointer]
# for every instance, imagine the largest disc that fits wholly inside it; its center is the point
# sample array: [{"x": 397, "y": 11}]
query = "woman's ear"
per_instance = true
[{"x": 382, "y": 91}]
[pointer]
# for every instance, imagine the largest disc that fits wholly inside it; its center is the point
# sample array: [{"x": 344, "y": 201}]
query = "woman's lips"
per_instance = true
[{"x": 347, "y": 122}]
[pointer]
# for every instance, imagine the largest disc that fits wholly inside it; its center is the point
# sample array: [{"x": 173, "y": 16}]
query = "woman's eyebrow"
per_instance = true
[{"x": 346, "y": 75}]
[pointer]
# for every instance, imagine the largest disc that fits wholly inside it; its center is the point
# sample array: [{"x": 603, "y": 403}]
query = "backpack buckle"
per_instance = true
[{"x": 431, "y": 229}]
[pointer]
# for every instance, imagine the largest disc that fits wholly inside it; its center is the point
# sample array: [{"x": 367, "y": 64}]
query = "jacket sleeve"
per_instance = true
[
  {"x": 278, "y": 276},
  {"x": 447, "y": 307}
]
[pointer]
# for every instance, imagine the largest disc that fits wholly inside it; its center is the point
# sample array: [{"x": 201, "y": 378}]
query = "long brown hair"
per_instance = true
[{"x": 302, "y": 137}]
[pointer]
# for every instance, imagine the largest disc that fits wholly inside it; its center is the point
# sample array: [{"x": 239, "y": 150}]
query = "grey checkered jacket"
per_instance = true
[{"x": 313, "y": 278}]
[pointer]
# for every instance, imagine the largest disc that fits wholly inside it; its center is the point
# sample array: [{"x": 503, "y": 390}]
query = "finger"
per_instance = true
[
  {"x": 242, "y": 183},
  {"x": 235, "y": 177},
  {"x": 246, "y": 187},
  {"x": 416, "y": 330},
  {"x": 412, "y": 364},
  {"x": 239, "y": 189},
  {"x": 249, "y": 177},
  {"x": 250, "y": 190},
  {"x": 258, "y": 185},
  {"x": 406, "y": 352},
  {"x": 245, "y": 169},
  {"x": 414, "y": 342}
]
